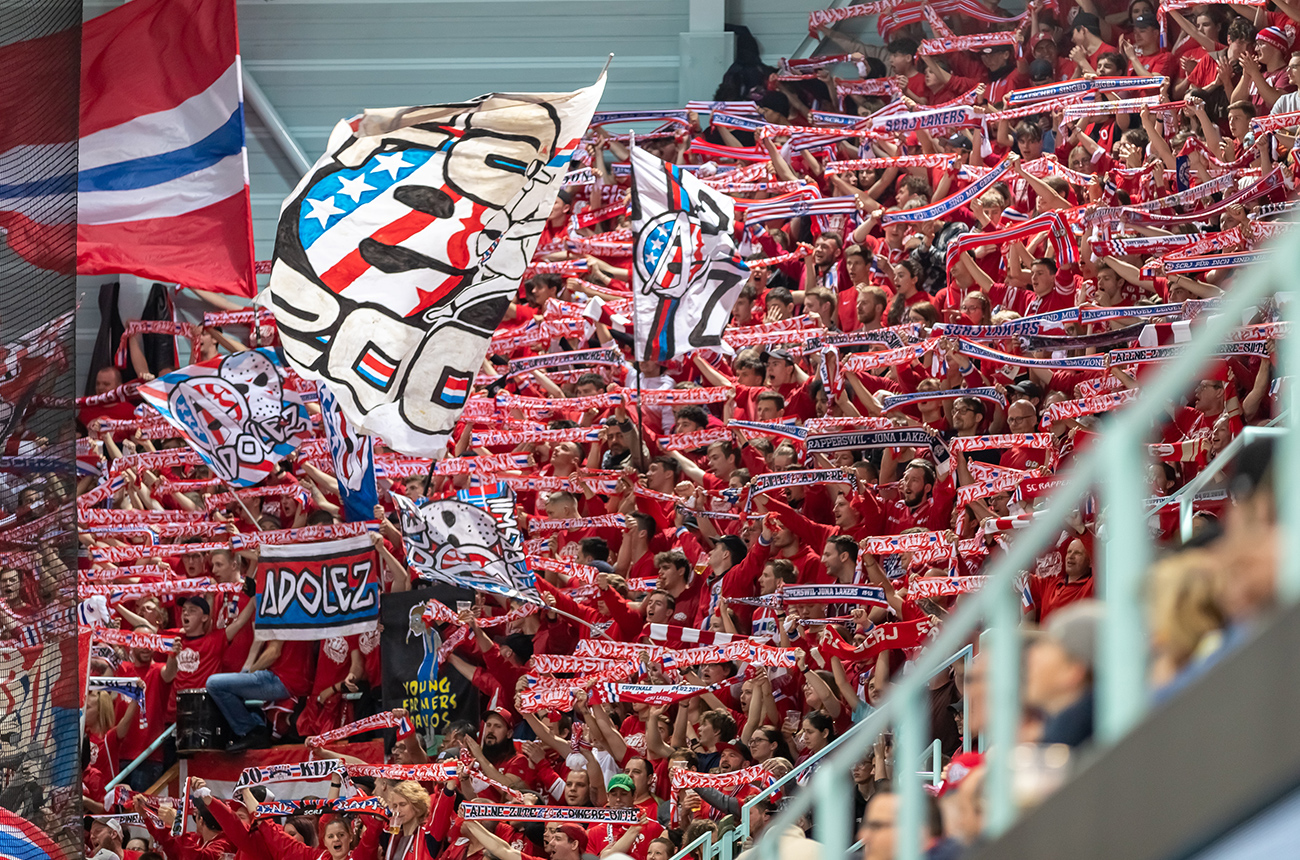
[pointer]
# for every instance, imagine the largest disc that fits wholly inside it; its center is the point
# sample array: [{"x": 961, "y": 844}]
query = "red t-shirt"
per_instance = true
[
  {"x": 1057, "y": 300},
  {"x": 197, "y": 660},
  {"x": 296, "y": 666},
  {"x": 225, "y": 610},
  {"x": 158, "y": 698},
  {"x": 601, "y": 836}
]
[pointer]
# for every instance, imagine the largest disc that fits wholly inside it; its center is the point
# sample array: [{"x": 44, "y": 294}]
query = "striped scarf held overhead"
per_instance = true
[
  {"x": 781, "y": 210},
  {"x": 384, "y": 720},
  {"x": 650, "y": 694},
  {"x": 432, "y": 772},
  {"x": 1079, "y": 86},
  {"x": 474, "y": 811},
  {"x": 936, "y": 586},
  {"x": 701, "y": 147},
  {"x": 358, "y": 805},
  {"x": 672, "y": 636},
  {"x": 680, "y": 779},
  {"x": 1051, "y": 222}
]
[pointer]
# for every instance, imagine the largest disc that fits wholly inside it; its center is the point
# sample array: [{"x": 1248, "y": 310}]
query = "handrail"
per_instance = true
[
  {"x": 139, "y": 760},
  {"x": 705, "y": 839},
  {"x": 811, "y": 43},
  {"x": 1187, "y": 494},
  {"x": 965, "y": 653},
  {"x": 1120, "y": 689}
]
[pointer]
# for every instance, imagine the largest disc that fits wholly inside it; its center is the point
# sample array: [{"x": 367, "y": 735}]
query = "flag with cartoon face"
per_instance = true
[
  {"x": 472, "y": 541},
  {"x": 686, "y": 273},
  {"x": 235, "y": 411},
  {"x": 398, "y": 253}
]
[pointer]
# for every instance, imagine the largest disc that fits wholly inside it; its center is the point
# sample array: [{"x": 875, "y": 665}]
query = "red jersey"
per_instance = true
[
  {"x": 601, "y": 836},
  {"x": 296, "y": 666},
  {"x": 198, "y": 659}
]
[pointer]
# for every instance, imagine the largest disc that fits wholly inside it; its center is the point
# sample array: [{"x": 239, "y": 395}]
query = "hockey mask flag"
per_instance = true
[
  {"x": 398, "y": 253},
  {"x": 472, "y": 541},
  {"x": 235, "y": 411}
]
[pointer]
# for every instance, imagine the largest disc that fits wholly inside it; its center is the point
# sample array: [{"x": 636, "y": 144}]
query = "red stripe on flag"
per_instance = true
[
  {"x": 210, "y": 248},
  {"x": 46, "y": 246},
  {"x": 150, "y": 55},
  {"x": 341, "y": 275}
]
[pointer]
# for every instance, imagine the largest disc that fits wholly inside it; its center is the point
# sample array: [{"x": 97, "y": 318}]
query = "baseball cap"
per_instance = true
[
  {"x": 577, "y": 834},
  {"x": 1074, "y": 629},
  {"x": 621, "y": 780},
  {"x": 602, "y": 566},
  {"x": 958, "y": 769},
  {"x": 1041, "y": 70},
  {"x": 959, "y": 141},
  {"x": 1087, "y": 19},
  {"x": 993, "y": 49},
  {"x": 1145, "y": 22},
  {"x": 114, "y": 825},
  {"x": 200, "y": 602},
  {"x": 736, "y": 546},
  {"x": 519, "y": 643},
  {"x": 737, "y": 747},
  {"x": 783, "y": 354}
]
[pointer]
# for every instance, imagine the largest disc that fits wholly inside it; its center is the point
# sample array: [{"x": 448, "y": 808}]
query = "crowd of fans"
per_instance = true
[{"x": 703, "y": 552}]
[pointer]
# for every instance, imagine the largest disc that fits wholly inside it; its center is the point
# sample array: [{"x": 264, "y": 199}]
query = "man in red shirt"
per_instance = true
[
  {"x": 1145, "y": 52},
  {"x": 158, "y": 697},
  {"x": 942, "y": 85},
  {"x": 106, "y": 380},
  {"x": 1049, "y": 293},
  {"x": 1022, "y": 418},
  {"x": 198, "y": 655},
  {"x": 1075, "y": 582},
  {"x": 924, "y": 502},
  {"x": 1086, "y": 35},
  {"x": 601, "y": 836}
]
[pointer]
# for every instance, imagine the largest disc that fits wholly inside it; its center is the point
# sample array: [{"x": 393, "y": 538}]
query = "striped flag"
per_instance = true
[
  {"x": 687, "y": 273},
  {"x": 162, "y": 187}
]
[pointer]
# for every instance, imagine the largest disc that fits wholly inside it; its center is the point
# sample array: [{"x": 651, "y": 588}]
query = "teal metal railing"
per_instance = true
[
  {"x": 965, "y": 655},
  {"x": 138, "y": 760},
  {"x": 1116, "y": 465}
]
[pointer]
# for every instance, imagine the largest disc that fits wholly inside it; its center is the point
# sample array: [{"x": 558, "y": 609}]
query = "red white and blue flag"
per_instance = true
[
  {"x": 22, "y": 840},
  {"x": 235, "y": 411},
  {"x": 162, "y": 182},
  {"x": 687, "y": 274}
]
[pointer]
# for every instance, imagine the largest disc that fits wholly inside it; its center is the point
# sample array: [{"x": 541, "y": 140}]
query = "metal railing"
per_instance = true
[
  {"x": 140, "y": 759},
  {"x": 1186, "y": 496},
  {"x": 1116, "y": 465}
]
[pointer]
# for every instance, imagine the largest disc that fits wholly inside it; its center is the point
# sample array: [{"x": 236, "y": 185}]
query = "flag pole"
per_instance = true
[
  {"x": 640, "y": 410},
  {"x": 252, "y": 519}
]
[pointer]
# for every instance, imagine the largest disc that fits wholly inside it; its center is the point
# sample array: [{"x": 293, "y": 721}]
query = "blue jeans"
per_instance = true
[{"x": 230, "y": 689}]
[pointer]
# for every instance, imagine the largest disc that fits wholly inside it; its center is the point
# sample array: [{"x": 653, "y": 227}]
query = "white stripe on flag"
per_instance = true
[
  {"x": 166, "y": 130},
  {"x": 178, "y": 197}
]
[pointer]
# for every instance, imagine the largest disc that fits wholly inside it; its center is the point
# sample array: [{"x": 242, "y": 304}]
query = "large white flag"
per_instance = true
[
  {"x": 686, "y": 271},
  {"x": 398, "y": 253}
]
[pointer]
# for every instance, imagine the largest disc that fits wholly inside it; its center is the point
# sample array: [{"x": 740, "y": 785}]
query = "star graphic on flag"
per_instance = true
[
  {"x": 390, "y": 162},
  {"x": 321, "y": 210},
  {"x": 354, "y": 187}
]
